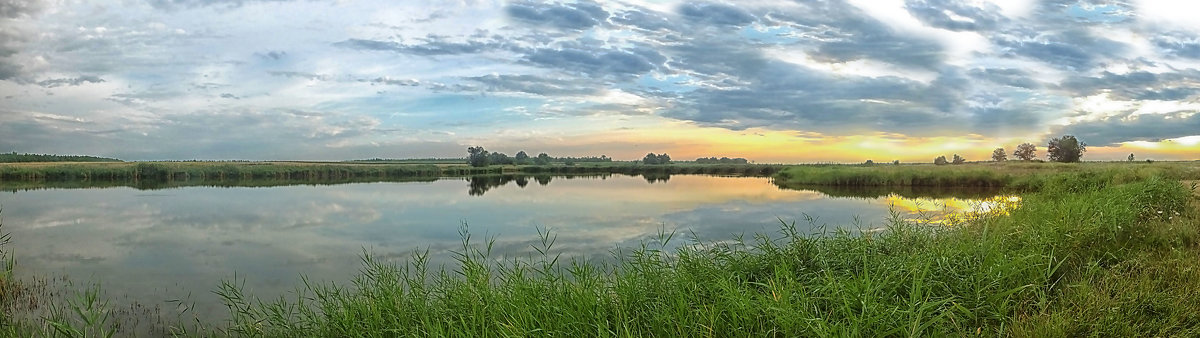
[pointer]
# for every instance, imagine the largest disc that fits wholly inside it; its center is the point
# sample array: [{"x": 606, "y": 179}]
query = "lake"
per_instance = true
[{"x": 150, "y": 246}]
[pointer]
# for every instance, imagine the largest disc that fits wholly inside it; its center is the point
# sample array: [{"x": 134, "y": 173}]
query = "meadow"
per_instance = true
[{"x": 1096, "y": 249}]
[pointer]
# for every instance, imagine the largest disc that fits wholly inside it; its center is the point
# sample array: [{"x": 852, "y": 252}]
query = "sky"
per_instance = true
[{"x": 771, "y": 81}]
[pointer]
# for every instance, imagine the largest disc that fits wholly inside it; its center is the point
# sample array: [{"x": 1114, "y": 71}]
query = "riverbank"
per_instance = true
[
  {"x": 1082, "y": 256},
  {"x": 1100, "y": 250},
  {"x": 157, "y": 175},
  {"x": 1016, "y": 175}
]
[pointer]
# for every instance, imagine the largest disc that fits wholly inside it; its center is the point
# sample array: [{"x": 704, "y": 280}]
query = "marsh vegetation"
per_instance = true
[{"x": 1093, "y": 249}]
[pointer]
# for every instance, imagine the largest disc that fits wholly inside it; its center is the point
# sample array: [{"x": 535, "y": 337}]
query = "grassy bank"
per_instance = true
[
  {"x": 1083, "y": 256},
  {"x": 1025, "y": 176},
  {"x": 1101, "y": 250},
  {"x": 313, "y": 171}
]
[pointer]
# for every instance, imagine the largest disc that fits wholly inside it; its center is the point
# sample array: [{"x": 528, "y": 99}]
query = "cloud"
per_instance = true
[
  {"x": 956, "y": 15},
  {"x": 537, "y": 85},
  {"x": 1128, "y": 127},
  {"x": 575, "y": 16},
  {"x": 431, "y": 46},
  {"x": 188, "y": 4},
  {"x": 841, "y": 32},
  {"x": 75, "y": 81},
  {"x": 12, "y": 9},
  {"x": 1137, "y": 85},
  {"x": 715, "y": 14}
]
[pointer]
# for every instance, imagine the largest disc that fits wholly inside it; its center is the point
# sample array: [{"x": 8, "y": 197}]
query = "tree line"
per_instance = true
[
  {"x": 480, "y": 157},
  {"x": 14, "y": 157},
  {"x": 1066, "y": 149}
]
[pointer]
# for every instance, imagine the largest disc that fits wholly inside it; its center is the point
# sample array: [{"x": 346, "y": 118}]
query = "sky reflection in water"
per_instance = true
[{"x": 155, "y": 245}]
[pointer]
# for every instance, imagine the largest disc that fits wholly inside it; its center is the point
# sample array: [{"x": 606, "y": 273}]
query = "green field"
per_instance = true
[{"x": 1094, "y": 249}]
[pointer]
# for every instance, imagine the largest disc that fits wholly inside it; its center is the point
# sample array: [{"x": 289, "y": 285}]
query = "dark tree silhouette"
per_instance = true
[
  {"x": 958, "y": 159},
  {"x": 522, "y": 157},
  {"x": 477, "y": 157},
  {"x": 998, "y": 155},
  {"x": 1066, "y": 149},
  {"x": 1025, "y": 152},
  {"x": 940, "y": 160}
]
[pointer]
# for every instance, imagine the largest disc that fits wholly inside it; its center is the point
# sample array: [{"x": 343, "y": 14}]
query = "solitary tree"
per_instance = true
[
  {"x": 1025, "y": 152},
  {"x": 959, "y": 159},
  {"x": 1130, "y": 157},
  {"x": 542, "y": 159},
  {"x": 869, "y": 162},
  {"x": 998, "y": 155},
  {"x": 940, "y": 160},
  {"x": 477, "y": 157},
  {"x": 896, "y": 162},
  {"x": 652, "y": 158},
  {"x": 1066, "y": 149},
  {"x": 522, "y": 157}
]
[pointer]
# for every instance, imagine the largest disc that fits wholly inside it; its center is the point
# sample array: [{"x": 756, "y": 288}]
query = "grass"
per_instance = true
[
  {"x": 1095, "y": 249},
  {"x": 1083, "y": 256},
  {"x": 1024, "y": 176}
]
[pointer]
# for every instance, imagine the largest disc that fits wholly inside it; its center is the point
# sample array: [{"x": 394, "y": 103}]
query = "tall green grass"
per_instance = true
[{"x": 1074, "y": 246}]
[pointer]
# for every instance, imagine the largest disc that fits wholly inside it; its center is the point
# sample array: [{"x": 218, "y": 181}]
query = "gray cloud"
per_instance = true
[
  {"x": 1075, "y": 49},
  {"x": 185, "y": 4},
  {"x": 1124, "y": 128},
  {"x": 74, "y": 81},
  {"x": 1006, "y": 76},
  {"x": 431, "y": 46},
  {"x": 597, "y": 62},
  {"x": 1179, "y": 44},
  {"x": 13, "y": 9},
  {"x": 1137, "y": 85},
  {"x": 937, "y": 13},
  {"x": 576, "y": 16},
  {"x": 842, "y": 32},
  {"x": 715, "y": 14},
  {"x": 536, "y": 85}
]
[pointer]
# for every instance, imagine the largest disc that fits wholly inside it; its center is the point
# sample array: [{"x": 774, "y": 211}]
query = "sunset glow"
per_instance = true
[{"x": 826, "y": 81}]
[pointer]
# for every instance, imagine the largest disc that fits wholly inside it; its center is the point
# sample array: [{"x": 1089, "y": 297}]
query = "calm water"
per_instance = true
[{"x": 150, "y": 246}]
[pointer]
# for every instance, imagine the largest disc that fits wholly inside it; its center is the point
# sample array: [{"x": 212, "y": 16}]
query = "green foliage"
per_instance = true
[
  {"x": 1025, "y": 152},
  {"x": 477, "y": 157},
  {"x": 723, "y": 160},
  {"x": 1086, "y": 244},
  {"x": 998, "y": 155},
  {"x": 542, "y": 159},
  {"x": 652, "y": 158},
  {"x": 14, "y": 157},
  {"x": 1130, "y": 157},
  {"x": 521, "y": 158},
  {"x": 1065, "y": 149},
  {"x": 940, "y": 160},
  {"x": 958, "y": 159}
]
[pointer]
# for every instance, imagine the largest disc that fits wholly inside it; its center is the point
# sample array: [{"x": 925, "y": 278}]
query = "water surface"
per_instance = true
[{"x": 150, "y": 246}]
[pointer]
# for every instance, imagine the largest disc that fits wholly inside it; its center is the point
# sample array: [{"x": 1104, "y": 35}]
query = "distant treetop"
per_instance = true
[{"x": 14, "y": 157}]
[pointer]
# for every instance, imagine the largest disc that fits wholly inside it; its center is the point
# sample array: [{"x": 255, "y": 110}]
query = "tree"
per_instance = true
[
  {"x": 1025, "y": 152},
  {"x": 650, "y": 158},
  {"x": 499, "y": 158},
  {"x": 477, "y": 157},
  {"x": 1130, "y": 157},
  {"x": 896, "y": 162},
  {"x": 998, "y": 155},
  {"x": 542, "y": 159},
  {"x": 940, "y": 160},
  {"x": 1065, "y": 149},
  {"x": 958, "y": 159},
  {"x": 522, "y": 157},
  {"x": 664, "y": 158},
  {"x": 869, "y": 162}
]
